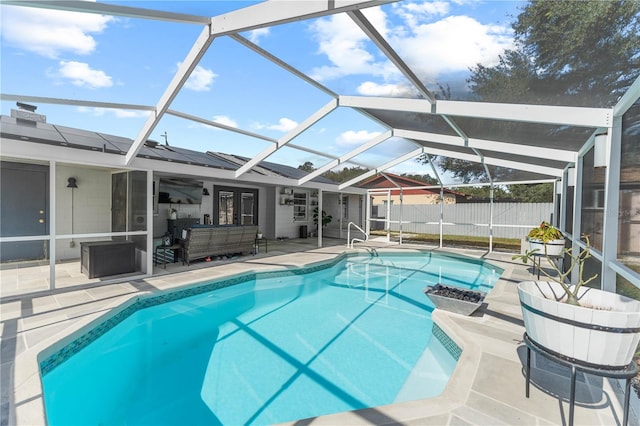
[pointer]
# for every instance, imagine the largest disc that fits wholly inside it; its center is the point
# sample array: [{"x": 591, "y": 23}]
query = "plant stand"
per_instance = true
[
  {"x": 537, "y": 259},
  {"x": 606, "y": 334},
  {"x": 626, "y": 372}
]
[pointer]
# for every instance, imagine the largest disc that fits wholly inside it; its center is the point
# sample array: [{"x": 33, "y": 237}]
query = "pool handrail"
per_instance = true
[{"x": 351, "y": 241}]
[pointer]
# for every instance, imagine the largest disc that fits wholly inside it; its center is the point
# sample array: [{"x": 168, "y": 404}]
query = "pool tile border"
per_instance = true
[
  {"x": 454, "y": 350},
  {"x": 141, "y": 302},
  {"x": 58, "y": 357}
]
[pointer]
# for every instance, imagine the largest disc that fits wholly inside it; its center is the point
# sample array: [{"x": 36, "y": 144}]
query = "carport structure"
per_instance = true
[{"x": 585, "y": 150}]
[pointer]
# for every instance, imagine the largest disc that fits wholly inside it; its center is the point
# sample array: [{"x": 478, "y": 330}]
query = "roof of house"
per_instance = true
[
  {"x": 394, "y": 182},
  {"x": 51, "y": 134}
]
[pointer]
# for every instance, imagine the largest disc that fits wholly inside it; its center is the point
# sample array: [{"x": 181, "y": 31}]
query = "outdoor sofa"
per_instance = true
[{"x": 202, "y": 241}]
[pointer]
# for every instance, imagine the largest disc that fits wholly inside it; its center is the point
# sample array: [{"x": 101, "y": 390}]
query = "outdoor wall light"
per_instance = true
[
  {"x": 600, "y": 145},
  {"x": 205, "y": 191},
  {"x": 71, "y": 183}
]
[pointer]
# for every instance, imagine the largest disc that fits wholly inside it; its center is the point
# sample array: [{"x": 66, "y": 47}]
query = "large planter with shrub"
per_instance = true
[
  {"x": 604, "y": 330},
  {"x": 546, "y": 239},
  {"x": 551, "y": 247}
]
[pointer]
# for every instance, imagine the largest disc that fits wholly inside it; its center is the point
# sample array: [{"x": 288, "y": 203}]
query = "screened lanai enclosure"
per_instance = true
[{"x": 337, "y": 84}]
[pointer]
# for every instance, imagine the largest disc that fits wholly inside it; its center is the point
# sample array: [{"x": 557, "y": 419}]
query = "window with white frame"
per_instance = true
[{"x": 300, "y": 205}]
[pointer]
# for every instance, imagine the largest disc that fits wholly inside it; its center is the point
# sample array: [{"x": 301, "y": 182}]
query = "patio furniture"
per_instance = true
[
  {"x": 205, "y": 241},
  {"x": 627, "y": 373},
  {"x": 104, "y": 258},
  {"x": 260, "y": 242},
  {"x": 161, "y": 253},
  {"x": 537, "y": 259}
]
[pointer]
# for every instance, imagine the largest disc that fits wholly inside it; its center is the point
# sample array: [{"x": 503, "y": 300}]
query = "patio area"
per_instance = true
[{"x": 487, "y": 387}]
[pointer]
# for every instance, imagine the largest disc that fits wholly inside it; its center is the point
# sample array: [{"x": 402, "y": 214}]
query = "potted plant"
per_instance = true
[
  {"x": 259, "y": 234},
  {"x": 326, "y": 218},
  {"x": 547, "y": 239},
  {"x": 585, "y": 324}
]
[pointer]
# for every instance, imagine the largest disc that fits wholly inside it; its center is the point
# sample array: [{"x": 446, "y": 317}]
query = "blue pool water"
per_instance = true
[{"x": 271, "y": 349}]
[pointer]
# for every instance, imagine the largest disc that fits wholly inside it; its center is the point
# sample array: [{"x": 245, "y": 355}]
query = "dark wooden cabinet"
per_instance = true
[{"x": 104, "y": 258}]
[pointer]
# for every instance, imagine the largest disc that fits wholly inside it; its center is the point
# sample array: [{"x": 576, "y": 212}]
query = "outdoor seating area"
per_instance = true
[
  {"x": 206, "y": 241},
  {"x": 279, "y": 139}
]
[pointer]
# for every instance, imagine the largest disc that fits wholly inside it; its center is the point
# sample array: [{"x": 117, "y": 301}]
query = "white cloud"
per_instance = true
[
  {"x": 453, "y": 44},
  {"x": 81, "y": 75},
  {"x": 411, "y": 13},
  {"x": 51, "y": 32},
  {"x": 369, "y": 88},
  {"x": 200, "y": 79},
  {"x": 226, "y": 120},
  {"x": 284, "y": 125},
  {"x": 344, "y": 44},
  {"x": 257, "y": 34},
  {"x": 430, "y": 45},
  {"x": 352, "y": 137}
]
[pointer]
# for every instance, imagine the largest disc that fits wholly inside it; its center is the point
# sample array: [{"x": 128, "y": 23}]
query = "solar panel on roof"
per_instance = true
[
  {"x": 41, "y": 132},
  {"x": 206, "y": 160}
]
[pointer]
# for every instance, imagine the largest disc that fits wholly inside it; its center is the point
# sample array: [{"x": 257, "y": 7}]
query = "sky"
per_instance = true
[{"x": 123, "y": 60}]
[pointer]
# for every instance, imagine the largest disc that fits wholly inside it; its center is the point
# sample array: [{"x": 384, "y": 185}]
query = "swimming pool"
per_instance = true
[{"x": 265, "y": 348}]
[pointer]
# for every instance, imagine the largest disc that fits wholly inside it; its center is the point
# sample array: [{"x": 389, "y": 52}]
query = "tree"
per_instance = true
[
  {"x": 567, "y": 52},
  {"x": 534, "y": 193},
  {"x": 345, "y": 174},
  {"x": 307, "y": 167},
  {"x": 583, "y": 53},
  {"x": 422, "y": 178}
]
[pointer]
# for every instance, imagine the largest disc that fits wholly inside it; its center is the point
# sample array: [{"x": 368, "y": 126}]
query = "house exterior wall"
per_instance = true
[
  {"x": 286, "y": 225},
  {"x": 419, "y": 199},
  {"x": 91, "y": 206}
]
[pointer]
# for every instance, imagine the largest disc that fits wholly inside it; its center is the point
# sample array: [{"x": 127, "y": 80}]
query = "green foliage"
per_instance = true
[
  {"x": 326, "y": 218},
  {"x": 345, "y": 174},
  {"x": 545, "y": 233},
  {"x": 422, "y": 178},
  {"x": 582, "y": 47},
  {"x": 457, "y": 240},
  {"x": 307, "y": 167},
  {"x": 583, "y": 53},
  {"x": 534, "y": 193},
  {"x": 577, "y": 260},
  {"x": 564, "y": 49}
]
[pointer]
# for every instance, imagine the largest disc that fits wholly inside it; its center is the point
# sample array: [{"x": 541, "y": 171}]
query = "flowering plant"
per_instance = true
[{"x": 545, "y": 233}]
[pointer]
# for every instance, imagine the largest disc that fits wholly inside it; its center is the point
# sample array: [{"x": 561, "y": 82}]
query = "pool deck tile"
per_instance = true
[{"x": 486, "y": 388}]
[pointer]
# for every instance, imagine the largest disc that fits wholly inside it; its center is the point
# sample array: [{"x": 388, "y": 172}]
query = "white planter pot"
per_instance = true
[
  {"x": 554, "y": 247},
  {"x": 605, "y": 336}
]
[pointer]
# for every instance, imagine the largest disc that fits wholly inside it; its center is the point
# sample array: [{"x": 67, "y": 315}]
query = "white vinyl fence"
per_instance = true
[{"x": 510, "y": 220}]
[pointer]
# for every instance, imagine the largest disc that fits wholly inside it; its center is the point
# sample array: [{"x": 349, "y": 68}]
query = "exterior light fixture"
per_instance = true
[
  {"x": 71, "y": 183},
  {"x": 600, "y": 148},
  {"x": 205, "y": 191}
]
